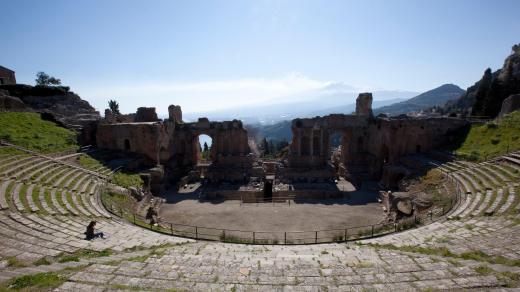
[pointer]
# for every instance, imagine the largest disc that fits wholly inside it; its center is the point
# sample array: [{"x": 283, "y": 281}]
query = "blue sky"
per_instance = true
[{"x": 207, "y": 55}]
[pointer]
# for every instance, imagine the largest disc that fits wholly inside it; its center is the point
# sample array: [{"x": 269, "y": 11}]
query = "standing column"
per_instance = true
[
  {"x": 299, "y": 143},
  {"x": 312, "y": 142}
]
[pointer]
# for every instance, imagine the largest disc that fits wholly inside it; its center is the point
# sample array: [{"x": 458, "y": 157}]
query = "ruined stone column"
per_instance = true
[
  {"x": 364, "y": 105},
  {"x": 312, "y": 143}
]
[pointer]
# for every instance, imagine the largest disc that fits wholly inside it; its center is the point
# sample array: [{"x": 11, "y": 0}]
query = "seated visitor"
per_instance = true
[{"x": 90, "y": 233}]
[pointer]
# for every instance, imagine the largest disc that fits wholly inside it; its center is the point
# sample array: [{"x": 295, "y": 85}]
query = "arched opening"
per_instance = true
[
  {"x": 204, "y": 144},
  {"x": 385, "y": 154},
  {"x": 335, "y": 151},
  {"x": 127, "y": 145}
]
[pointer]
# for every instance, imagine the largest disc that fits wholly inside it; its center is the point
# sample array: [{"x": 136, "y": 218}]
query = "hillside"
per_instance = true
[
  {"x": 30, "y": 131},
  {"x": 485, "y": 97},
  {"x": 435, "y": 97},
  {"x": 482, "y": 142}
]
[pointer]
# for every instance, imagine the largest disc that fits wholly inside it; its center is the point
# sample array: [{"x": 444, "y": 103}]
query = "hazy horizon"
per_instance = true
[{"x": 215, "y": 55}]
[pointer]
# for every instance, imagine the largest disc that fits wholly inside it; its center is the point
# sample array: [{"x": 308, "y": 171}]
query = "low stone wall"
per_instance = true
[{"x": 254, "y": 196}]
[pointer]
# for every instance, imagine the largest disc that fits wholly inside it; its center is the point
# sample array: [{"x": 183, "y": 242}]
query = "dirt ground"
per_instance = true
[{"x": 358, "y": 208}]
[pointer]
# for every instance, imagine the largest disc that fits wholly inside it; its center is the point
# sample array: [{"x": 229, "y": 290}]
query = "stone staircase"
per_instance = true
[
  {"x": 485, "y": 220},
  {"x": 46, "y": 205}
]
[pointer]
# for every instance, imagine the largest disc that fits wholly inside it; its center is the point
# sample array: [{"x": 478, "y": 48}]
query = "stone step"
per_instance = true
[
  {"x": 26, "y": 170},
  {"x": 13, "y": 170},
  {"x": 76, "y": 202},
  {"x": 9, "y": 166},
  {"x": 73, "y": 180},
  {"x": 7, "y": 159},
  {"x": 86, "y": 184},
  {"x": 46, "y": 173},
  {"x": 59, "y": 173},
  {"x": 55, "y": 203},
  {"x": 36, "y": 235},
  {"x": 462, "y": 183},
  {"x": 488, "y": 180},
  {"x": 94, "y": 200},
  {"x": 496, "y": 203},
  {"x": 92, "y": 188},
  {"x": 68, "y": 205},
  {"x": 515, "y": 162},
  {"x": 3, "y": 190},
  {"x": 85, "y": 199},
  {"x": 29, "y": 198},
  {"x": 15, "y": 196},
  {"x": 503, "y": 167},
  {"x": 485, "y": 203},
  {"x": 468, "y": 199},
  {"x": 66, "y": 178},
  {"x": 43, "y": 202},
  {"x": 81, "y": 182},
  {"x": 34, "y": 174},
  {"x": 475, "y": 202},
  {"x": 508, "y": 203},
  {"x": 468, "y": 176},
  {"x": 494, "y": 171}
]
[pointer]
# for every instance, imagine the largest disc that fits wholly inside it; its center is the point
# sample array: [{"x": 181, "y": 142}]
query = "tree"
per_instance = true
[
  {"x": 114, "y": 107},
  {"x": 206, "y": 148},
  {"x": 44, "y": 79}
]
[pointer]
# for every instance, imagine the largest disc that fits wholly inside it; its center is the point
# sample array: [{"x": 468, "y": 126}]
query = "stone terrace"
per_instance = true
[{"x": 46, "y": 204}]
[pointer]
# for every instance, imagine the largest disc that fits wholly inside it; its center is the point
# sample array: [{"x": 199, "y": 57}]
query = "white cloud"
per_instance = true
[{"x": 202, "y": 96}]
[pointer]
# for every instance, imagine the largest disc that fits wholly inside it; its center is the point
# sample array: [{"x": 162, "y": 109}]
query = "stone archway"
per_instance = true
[{"x": 202, "y": 155}]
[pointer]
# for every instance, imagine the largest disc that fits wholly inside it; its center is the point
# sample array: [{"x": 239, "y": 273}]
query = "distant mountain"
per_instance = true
[
  {"x": 485, "y": 97},
  {"x": 281, "y": 130},
  {"x": 333, "y": 98},
  {"x": 435, "y": 97}
]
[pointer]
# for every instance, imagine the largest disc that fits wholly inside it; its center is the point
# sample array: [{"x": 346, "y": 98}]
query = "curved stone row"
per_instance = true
[
  {"x": 486, "y": 218},
  {"x": 46, "y": 205}
]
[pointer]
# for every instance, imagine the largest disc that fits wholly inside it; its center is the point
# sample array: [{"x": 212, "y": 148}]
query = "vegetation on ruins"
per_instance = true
[
  {"x": 114, "y": 107},
  {"x": 30, "y": 131},
  {"x": 122, "y": 179},
  {"x": 482, "y": 142},
  {"x": 127, "y": 180},
  {"x": 43, "y": 79}
]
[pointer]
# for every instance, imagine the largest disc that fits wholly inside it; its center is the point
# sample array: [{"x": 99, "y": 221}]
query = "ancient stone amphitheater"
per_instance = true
[{"x": 46, "y": 203}]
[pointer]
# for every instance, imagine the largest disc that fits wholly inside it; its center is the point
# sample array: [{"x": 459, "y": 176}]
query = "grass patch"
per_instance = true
[
  {"x": 30, "y": 131},
  {"x": 89, "y": 162},
  {"x": 37, "y": 282},
  {"x": 82, "y": 253},
  {"x": 484, "y": 270},
  {"x": 482, "y": 142},
  {"x": 42, "y": 262},
  {"x": 15, "y": 263},
  {"x": 478, "y": 256},
  {"x": 121, "y": 178},
  {"x": 127, "y": 180},
  {"x": 10, "y": 151}
]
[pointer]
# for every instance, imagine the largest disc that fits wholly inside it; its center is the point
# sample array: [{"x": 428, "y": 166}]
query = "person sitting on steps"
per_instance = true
[{"x": 91, "y": 234}]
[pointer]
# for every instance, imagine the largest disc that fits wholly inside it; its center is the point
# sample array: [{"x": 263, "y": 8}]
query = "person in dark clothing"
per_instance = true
[
  {"x": 151, "y": 215},
  {"x": 91, "y": 231}
]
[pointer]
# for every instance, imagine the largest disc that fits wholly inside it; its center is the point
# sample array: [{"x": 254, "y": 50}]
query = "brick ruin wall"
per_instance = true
[{"x": 367, "y": 143}]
